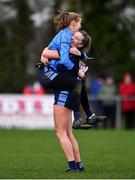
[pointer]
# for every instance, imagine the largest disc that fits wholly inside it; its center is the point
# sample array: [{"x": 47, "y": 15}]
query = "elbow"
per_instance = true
[
  {"x": 44, "y": 53},
  {"x": 42, "y": 60}
]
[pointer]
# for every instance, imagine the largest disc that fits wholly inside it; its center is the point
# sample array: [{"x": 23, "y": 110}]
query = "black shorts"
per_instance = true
[
  {"x": 42, "y": 78},
  {"x": 67, "y": 99},
  {"x": 57, "y": 81}
]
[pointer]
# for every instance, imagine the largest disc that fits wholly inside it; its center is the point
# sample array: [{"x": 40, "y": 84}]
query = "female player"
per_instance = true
[
  {"x": 66, "y": 24},
  {"x": 81, "y": 41}
]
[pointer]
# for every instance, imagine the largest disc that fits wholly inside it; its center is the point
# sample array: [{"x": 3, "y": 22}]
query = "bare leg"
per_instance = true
[
  {"x": 61, "y": 120},
  {"x": 73, "y": 139}
]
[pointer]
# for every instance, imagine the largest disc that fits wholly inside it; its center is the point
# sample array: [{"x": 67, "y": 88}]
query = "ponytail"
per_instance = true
[
  {"x": 63, "y": 19},
  {"x": 86, "y": 41}
]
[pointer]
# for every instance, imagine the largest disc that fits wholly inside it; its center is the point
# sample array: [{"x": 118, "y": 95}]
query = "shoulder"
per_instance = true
[
  {"x": 55, "y": 41},
  {"x": 66, "y": 35}
]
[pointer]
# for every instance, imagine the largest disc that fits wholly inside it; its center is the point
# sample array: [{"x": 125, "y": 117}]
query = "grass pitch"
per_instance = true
[{"x": 36, "y": 154}]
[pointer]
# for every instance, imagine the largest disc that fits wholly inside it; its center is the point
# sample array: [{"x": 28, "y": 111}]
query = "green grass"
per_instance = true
[{"x": 37, "y": 155}]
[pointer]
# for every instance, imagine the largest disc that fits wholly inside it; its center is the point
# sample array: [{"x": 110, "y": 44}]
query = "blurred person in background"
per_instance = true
[
  {"x": 34, "y": 88},
  {"x": 107, "y": 94},
  {"x": 38, "y": 88},
  {"x": 127, "y": 93},
  {"x": 28, "y": 89},
  {"x": 95, "y": 86}
]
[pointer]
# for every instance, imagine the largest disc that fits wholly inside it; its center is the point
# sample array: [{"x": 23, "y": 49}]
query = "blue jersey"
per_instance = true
[{"x": 61, "y": 42}]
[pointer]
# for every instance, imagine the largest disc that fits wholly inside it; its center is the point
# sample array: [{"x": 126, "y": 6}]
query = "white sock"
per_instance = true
[{"x": 91, "y": 116}]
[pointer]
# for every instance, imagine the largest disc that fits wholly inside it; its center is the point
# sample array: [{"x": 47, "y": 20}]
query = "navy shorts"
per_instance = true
[
  {"x": 56, "y": 81},
  {"x": 67, "y": 99}
]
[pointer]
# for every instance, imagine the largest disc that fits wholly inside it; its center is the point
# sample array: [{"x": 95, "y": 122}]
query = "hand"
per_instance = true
[
  {"x": 45, "y": 60},
  {"x": 81, "y": 74},
  {"x": 84, "y": 68},
  {"x": 82, "y": 71},
  {"x": 75, "y": 51}
]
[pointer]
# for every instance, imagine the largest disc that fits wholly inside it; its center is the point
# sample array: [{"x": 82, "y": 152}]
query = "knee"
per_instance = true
[
  {"x": 70, "y": 134},
  {"x": 60, "y": 133}
]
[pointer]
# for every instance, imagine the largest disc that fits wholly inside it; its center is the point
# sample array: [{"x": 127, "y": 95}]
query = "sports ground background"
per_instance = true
[
  {"x": 36, "y": 154},
  {"x": 29, "y": 148}
]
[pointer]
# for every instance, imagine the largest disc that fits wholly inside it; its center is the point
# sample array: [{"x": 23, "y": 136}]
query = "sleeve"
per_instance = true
[
  {"x": 64, "y": 52},
  {"x": 84, "y": 57}
]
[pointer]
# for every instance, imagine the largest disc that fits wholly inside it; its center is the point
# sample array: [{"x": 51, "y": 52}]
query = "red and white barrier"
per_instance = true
[{"x": 26, "y": 111}]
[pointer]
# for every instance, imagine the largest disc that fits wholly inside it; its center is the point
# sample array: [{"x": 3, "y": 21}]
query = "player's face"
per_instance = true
[
  {"x": 76, "y": 25},
  {"x": 77, "y": 39}
]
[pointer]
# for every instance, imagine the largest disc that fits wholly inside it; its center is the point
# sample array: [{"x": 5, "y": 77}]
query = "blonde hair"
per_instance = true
[
  {"x": 86, "y": 41},
  {"x": 63, "y": 19}
]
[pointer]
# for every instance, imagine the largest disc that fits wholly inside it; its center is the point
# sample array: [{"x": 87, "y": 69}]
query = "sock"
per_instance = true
[
  {"x": 80, "y": 166},
  {"x": 88, "y": 112},
  {"x": 72, "y": 165},
  {"x": 76, "y": 115},
  {"x": 88, "y": 119},
  {"x": 91, "y": 116}
]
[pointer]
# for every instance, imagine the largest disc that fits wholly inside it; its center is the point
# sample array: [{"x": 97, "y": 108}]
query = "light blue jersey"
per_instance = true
[{"x": 61, "y": 42}]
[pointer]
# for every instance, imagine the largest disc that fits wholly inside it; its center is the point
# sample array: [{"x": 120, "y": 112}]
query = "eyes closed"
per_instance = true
[{"x": 78, "y": 39}]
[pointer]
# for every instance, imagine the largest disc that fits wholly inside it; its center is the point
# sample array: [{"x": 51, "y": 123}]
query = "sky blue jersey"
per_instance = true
[{"x": 61, "y": 42}]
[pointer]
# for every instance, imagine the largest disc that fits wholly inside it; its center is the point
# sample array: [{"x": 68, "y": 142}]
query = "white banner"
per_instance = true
[{"x": 26, "y": 111}]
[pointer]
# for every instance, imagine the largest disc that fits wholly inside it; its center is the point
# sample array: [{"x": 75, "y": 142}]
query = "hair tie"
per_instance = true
[{"x": 62, "y": 11}]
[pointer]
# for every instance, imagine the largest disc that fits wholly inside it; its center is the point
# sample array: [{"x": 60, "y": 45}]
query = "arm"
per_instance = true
[
  {"x": 83, "y": 56},
  {"x": 50, "y": 54},
  {"x": 75, "y": 51}
]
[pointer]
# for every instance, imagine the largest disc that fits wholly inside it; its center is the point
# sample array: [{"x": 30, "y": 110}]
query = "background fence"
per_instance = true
[
  {"x": 117, "y": 100},
  {"x": 31, "y": 111}
]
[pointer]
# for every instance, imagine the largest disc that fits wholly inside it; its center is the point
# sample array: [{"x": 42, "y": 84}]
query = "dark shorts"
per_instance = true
[
  {"x": 45, "y": 78},
  {"x": 56, "y": 81},
  {"x": 66, "y": 99}
]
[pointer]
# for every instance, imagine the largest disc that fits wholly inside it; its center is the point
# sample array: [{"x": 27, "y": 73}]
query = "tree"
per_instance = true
[
  {"x": 16, "y": 33},
  {"x": 112, "y": 42}
]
